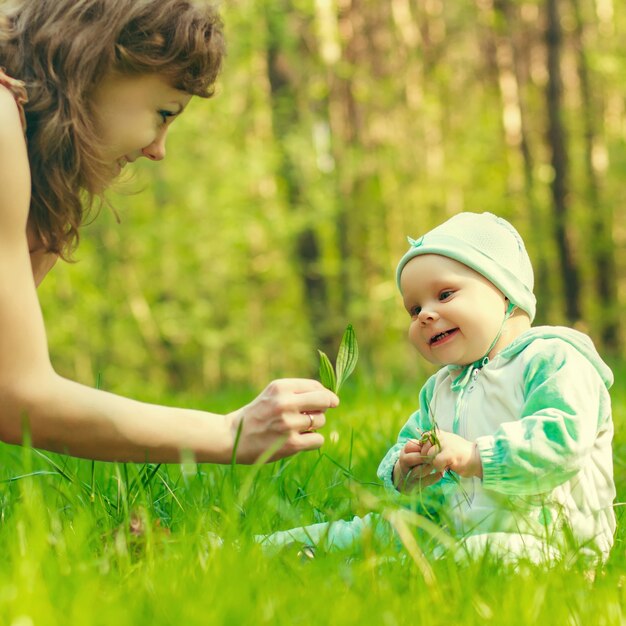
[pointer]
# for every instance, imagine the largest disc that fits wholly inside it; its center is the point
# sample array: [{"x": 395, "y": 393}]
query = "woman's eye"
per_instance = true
[{"x": 165, "y": 115}]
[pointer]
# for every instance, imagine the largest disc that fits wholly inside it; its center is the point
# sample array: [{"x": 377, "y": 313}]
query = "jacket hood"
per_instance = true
[{"x": 576, "y": 339}]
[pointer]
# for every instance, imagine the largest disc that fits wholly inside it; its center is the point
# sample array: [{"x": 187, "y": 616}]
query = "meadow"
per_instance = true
[{"x": 101, "y": 543}]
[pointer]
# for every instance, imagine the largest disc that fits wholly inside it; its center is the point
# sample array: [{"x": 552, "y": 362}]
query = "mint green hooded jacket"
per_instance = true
[{"x": 540, "y": 413}]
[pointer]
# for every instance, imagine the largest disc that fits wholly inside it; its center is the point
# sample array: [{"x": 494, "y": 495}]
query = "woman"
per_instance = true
[{"x": 87, "y": 87}]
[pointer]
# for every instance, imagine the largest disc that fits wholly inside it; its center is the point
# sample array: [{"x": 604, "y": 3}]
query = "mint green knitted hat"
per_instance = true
[{"x": 487, "y": 244}]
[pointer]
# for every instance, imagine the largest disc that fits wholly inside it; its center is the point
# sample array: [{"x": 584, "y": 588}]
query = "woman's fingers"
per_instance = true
[
  {"x": 310, "y": 421},
  {"x": 297, "y": 396},
  {"x": 308, "y": 391},
  {"x": 315, "y": 399},
  {"x": 297, "y": 404},
  {"x": 296, "y": 385},
  {"x": 286, "y": 413}
]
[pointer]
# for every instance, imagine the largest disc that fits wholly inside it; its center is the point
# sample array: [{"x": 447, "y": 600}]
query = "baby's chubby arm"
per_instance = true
[{"x": 391, "y": 470}]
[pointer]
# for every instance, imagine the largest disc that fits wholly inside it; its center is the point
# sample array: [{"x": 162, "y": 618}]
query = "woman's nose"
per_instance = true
[{"x": 156, "y": 150}]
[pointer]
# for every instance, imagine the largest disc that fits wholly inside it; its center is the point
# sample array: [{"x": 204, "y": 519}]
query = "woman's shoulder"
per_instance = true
[
  {"x": 17, "y": 92},
  {"x": 13, "y": 126},
  {"x": 14, "y": 168}
]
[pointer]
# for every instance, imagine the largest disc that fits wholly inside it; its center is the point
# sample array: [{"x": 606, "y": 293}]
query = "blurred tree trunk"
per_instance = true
[
  {"x": 556, "y": 135},
  {"x": 357, "y": 180},
  {"x": 286, "y": 120},
  {"x": 346, "y": 122},
  {"x": 516, "y": 129},
  {"x": 602, "y": 247}
]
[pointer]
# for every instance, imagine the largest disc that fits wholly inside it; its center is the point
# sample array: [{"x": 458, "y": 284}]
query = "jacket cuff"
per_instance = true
[
  {"x": 491, "y": 460},
  {"x": 385, "y": 471}
]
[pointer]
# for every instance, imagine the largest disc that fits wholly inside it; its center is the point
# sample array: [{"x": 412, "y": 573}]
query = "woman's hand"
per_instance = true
[{"x": 285, "y": 416}]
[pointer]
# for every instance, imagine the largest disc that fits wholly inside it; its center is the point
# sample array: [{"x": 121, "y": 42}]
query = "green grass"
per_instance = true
[{"x": 86, "y": 543}]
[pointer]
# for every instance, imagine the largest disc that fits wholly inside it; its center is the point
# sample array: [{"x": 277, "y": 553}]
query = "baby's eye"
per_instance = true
[
  {"x": 415, "y": 311},
  {"x": 445, "y": 294}
]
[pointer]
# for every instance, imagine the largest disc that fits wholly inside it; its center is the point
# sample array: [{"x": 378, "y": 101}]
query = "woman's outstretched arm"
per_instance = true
[{"x": 65, "y": 416}]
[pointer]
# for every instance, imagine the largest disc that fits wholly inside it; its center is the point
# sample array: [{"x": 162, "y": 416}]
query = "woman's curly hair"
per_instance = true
[{"x": 62, "y": 49}]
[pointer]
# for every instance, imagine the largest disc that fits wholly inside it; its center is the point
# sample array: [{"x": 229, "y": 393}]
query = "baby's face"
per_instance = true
[{"x": 455, "y": 312}]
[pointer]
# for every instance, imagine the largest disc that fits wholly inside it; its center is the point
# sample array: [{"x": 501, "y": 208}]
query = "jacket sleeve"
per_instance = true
[
  {"x": 419, "y": 422},
  {"x": 565, "y": 403}
]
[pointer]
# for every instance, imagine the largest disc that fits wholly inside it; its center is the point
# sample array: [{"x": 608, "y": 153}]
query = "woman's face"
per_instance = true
[{"x": 132, "y": 116}]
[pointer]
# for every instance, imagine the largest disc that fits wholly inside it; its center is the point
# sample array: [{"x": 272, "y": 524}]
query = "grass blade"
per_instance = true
[
  {"x": 55, "y": 465},
  {"x": 398, "y": 520}
]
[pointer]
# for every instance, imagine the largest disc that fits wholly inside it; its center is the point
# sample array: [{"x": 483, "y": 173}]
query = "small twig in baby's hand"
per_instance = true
[{"x": 430, "y": 436}]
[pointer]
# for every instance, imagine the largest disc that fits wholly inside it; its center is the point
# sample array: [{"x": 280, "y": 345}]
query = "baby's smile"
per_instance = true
[{"x": 439, "y": 338}]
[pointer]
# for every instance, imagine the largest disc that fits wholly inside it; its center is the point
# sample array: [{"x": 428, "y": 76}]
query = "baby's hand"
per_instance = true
[
  {"x": 414, "y": 470},
  {"x": 456, "y": 454}
]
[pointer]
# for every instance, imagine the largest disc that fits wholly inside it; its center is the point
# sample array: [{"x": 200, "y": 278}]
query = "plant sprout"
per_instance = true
[{"x": 347, "y": 357}]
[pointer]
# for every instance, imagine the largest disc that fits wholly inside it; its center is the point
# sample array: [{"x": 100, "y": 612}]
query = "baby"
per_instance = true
[
  {"x": 510, "y": 449},
  {"x": 511, "y": 445}
]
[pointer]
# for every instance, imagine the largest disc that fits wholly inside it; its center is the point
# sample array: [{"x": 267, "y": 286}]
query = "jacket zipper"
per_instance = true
[{"x": 463, "y": 429}]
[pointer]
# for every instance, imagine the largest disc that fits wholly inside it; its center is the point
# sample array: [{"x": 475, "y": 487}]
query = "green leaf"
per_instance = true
[
  {"x": 347, "y": 356},
  {"x": 327, "y": 373}
]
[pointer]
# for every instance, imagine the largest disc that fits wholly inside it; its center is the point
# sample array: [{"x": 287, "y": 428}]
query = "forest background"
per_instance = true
[{"x": 339, "y": 127}]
